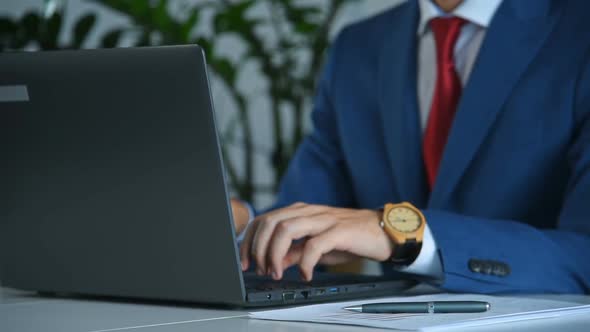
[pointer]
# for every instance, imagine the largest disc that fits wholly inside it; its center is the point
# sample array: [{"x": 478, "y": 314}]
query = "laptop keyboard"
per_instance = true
[{"x": 258, "y": 283}]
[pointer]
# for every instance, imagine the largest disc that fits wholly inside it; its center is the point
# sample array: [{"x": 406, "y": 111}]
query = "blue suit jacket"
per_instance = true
[{"x": 514, "y": 182}]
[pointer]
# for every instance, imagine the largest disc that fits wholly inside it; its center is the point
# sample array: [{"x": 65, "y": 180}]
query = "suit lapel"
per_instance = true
[
  {"x": 398, "y": 104},
  {"x": 513, "y": 39}
]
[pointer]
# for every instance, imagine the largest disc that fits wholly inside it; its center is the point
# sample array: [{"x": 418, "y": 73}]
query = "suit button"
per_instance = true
[
  {"x": 494, "y": 268},
  {"x": 475, "y": 265},
  {"x": 486, "y": 267},
  {"x": 501, "y": 269}
]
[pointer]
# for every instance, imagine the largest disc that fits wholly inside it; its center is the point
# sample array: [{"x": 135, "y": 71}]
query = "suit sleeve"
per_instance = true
[
  {"x": 540, "y": 260},
  {"x": 317, "y": 173}
]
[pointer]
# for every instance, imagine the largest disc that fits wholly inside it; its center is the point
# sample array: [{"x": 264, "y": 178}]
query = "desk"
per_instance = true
[{"x": 27, "y": 312}]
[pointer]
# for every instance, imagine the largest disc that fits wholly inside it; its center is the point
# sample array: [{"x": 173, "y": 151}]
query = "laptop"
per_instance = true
[{"x": 112, "y": 184}]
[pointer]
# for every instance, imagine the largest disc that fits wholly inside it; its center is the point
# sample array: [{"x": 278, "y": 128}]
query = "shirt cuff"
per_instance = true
[
  {"x": 428, "y": 262},
  {"x": 251, "y": 216}
]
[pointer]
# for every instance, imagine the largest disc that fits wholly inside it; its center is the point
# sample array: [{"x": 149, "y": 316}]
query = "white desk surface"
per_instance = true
[{"x": 28, "y": 312}]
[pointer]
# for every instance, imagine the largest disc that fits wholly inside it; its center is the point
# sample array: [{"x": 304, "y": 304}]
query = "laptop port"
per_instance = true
[
  {"x": 366, "y": 287},
  {"x": 288, "y": 296},
  {"x": 305, "y": 294},
  {"x": 320, "y": 291},
  {"x": 334, "y": 290}
]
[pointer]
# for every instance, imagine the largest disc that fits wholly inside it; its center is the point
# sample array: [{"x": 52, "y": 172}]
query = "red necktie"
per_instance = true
[{"x": 446, "y": 96}]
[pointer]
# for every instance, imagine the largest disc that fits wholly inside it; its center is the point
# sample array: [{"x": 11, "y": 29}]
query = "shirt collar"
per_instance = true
[{"x": 479, "y": 12}]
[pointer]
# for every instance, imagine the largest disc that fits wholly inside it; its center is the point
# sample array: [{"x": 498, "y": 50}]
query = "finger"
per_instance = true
[
  {"x": 337, "y": 257},
  {"x": 293, "y": 256},
  {"x": 319, "y": 246},
  {"x": 292, "y": 229},
  {"x": 241, "y": 215},
  {"x": 295, "y": 253},
  {"x": 247, "y": 244},
  {"x": 267, "y": 225}
]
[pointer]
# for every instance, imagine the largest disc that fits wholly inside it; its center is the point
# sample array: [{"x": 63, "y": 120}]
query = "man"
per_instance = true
[{"x": 477, "y": 113}]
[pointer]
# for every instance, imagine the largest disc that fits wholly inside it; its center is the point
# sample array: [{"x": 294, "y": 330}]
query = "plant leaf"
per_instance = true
[
  {"x": 7, "y": 26},
  {"x": 232, "y": 18},
  {"x": 225, "y": 69},
  {"x": 206, "y": 45},
  {"x": 8, "y": 29},
  {"x": 111, "y": 39},
  {"x": 51, "y": 28},
  {"x": 30, "y": 26},
  {"x": 189, "y": 24},
  {"x": 82, "y": 28},
  {"x": 306, "y": 28}
]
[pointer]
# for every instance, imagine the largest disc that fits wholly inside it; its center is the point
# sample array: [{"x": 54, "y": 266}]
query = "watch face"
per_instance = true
[{"x": 404, "y": 219}]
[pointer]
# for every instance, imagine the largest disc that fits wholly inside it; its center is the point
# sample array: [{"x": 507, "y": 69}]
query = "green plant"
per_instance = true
[
  {"x": 296, "y": 28},
  {"x": 42, "y": 31}
]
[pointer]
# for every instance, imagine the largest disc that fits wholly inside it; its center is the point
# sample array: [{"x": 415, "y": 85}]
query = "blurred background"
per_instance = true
[{"x": 263, "y": 55}]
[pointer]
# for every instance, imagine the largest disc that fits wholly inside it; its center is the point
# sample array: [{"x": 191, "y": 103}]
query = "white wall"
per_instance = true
[{"x": 250, "y": 80}]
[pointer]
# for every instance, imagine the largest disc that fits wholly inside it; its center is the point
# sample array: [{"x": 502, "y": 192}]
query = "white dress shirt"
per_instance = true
[{"x": 478, "y": 14}]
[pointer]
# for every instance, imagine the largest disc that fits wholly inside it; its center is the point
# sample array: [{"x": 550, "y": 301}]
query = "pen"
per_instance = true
[{"x": 435, "y": 307}]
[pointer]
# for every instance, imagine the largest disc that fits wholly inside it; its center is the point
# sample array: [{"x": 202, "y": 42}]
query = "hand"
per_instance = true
[
  {"x": 329, "y": 236},
  {"x": 241, "y": 215}
]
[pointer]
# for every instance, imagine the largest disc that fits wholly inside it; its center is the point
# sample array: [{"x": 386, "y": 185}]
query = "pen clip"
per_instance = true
[{"x": 430, "y": 307}]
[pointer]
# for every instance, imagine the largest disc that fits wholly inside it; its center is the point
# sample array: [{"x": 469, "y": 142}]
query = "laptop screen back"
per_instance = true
[{"x": 111, "y": 176}]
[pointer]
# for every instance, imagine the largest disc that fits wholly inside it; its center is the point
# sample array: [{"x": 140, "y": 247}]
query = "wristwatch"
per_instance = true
[{"x": 404, "y": 224}]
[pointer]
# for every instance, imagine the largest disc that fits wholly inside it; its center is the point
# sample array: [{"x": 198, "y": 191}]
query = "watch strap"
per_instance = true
[{"x": 406, "y": 253}]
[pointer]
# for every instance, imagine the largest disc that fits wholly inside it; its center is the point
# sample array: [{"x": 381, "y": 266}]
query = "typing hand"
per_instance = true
[
  {"x": 241, "y": 215},
  {"x": 328, "y": 235}
]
